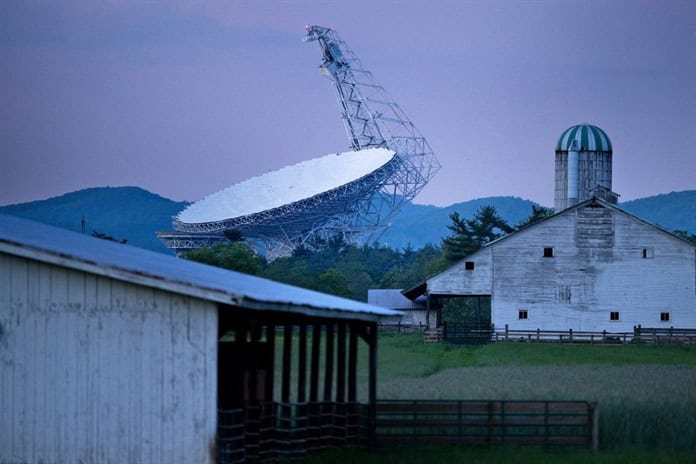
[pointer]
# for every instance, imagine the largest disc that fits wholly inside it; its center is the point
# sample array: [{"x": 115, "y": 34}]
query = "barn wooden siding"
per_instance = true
[
  {"x": 598, "y": 266},
  {"x": 93, "y": 369}
]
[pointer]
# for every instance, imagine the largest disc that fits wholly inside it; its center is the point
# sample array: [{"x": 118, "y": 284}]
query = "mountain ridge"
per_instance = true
[{"x": 135, "y": 214}]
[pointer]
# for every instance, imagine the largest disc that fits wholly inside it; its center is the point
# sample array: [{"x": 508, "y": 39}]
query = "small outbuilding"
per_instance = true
[
  {"x": 413, "y": 312},
  {"x": 114, "y": 354}
]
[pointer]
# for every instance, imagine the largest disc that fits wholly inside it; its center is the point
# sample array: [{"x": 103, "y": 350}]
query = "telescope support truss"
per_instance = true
[{"x": 358, "y": 212}]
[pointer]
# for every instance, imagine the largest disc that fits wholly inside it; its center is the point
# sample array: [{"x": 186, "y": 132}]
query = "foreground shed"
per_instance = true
[{"x": 112, "y": 354}]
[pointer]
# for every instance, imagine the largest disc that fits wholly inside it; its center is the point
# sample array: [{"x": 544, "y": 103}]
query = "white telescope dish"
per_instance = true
[{"x": 293, "y": 199}]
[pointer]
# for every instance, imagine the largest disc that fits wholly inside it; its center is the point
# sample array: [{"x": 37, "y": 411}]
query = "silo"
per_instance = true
[{"x": 583, "y": 166}]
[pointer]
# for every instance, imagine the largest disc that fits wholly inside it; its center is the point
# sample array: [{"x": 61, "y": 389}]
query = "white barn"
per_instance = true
[
  {"x": 112, "y": 354},
  {"x": 591, "y": 267}
]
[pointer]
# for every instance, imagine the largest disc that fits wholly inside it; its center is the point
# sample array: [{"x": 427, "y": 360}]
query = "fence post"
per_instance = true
[
  {"x": 491, "y": 422},
  {"x": 570, "y": 334},
  {"x": 594, "y": 418},
  {"x": 506, "y": 332},
  {"x": 538, "y": 333},
  {"x": 604, "y": 336},
  {"x": 502, "y": 422},
  {"x": 546, "y": 425},
  {"x": 459, "y": 420}
]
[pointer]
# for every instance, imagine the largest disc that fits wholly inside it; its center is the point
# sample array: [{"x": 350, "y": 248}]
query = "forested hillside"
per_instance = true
[
  {"x": 124, "y": 213},
  {"x": 134, "y": 214},
  {"x": 676, "y": 210}
]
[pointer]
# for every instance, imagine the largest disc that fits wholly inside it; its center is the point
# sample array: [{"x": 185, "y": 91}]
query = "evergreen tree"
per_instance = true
[
  {"x": 538, "y": 213},
  {"x": 471, "y": 234}
]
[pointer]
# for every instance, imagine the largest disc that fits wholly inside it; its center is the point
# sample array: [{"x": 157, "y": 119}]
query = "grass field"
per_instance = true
[
  {"x": 445, "y": 454},
  {"x": 646, "y": 394}
]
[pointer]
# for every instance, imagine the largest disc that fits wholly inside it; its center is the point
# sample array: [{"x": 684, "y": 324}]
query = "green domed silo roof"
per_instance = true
[{"x": 589, "y": 138}]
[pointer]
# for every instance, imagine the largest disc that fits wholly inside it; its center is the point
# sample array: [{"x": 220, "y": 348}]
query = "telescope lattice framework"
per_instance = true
[{"x": 358, "y": 211}]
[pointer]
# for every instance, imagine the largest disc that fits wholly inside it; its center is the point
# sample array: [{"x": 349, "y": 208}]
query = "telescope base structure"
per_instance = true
[{"x": 181, "y": 242}]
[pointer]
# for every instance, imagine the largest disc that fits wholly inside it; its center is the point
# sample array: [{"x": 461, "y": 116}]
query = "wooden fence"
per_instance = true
[
  {"x": 663, "y": 335},
  {"x": 561, "y": 336},
  {"x": 472, "y": 334},
  {"x": 545, "y": 423},
  {"x": 398, "y": 327}
]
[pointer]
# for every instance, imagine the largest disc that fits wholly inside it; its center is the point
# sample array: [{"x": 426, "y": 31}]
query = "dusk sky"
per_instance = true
[{"x": 185, "y": 98}]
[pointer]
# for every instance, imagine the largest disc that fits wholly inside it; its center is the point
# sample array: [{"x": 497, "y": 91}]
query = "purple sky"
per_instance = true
[{"x": 185, "y": 100}]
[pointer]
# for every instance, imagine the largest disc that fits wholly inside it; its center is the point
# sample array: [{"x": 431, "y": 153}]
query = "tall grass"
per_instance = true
[{"x": 442, "y": 454}]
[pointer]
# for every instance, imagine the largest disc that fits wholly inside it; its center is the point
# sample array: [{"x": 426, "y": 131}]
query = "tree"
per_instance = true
[
  {"x": 685, "y": 235},
  {"x": 233, "y": 235},
  {"x": 461, "y": 243},
  {"x": 332, "y": 281},
  {"x": 290, "y": 270},
  {"x": 235, "y": 256},
  {"x": 471, "y": 234},
  {"x": 538, "y": 213}
]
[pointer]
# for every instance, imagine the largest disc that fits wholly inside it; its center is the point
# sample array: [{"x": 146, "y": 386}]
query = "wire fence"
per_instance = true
[{"x": 288, "y": 430}]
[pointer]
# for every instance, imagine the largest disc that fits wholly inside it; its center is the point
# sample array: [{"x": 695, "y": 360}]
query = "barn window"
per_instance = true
[
  {"x": 614, "y": 316},
  {"x": 522, "y": 314},
  {"x": 548, "y": 252},
  {"x": 664, "y": 317},
  {"x": 648, "y": 253},
  {"x": 469, "y": 265}
]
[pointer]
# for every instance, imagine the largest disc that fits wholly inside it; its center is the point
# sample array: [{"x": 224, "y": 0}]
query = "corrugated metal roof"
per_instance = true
[
  {"x": 123, "y": 262},
  {"x": 393, "y": 299}
]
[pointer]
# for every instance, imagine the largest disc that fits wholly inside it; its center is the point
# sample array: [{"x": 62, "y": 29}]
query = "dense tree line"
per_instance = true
[
  {"x": 340, "y": 269},
  {"x": 347, "y": 270}
]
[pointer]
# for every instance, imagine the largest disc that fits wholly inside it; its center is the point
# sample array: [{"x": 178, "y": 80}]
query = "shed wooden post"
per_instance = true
[
  {"x": 287, "y": 358},
  {"x": 352, "y": 364},
  {"x": 302, "y": 365},
  {"x": 372, "y": 392},
  {"x": 595, "y": 426},
  {"x": 328, "y": 367},
  {"x": 270, "y": 339},
  {"x": 314, "y": 368},
  {"x": 254, "y": 338},
  {"x": 341, "y": 364}
]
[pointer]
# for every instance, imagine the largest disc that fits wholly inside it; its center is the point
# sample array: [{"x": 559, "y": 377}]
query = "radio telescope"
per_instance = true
[{"x": 352, "y": 195}]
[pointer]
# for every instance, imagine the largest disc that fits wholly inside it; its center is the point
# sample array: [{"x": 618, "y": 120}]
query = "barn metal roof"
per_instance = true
[{"x": 49, "y": 244}]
